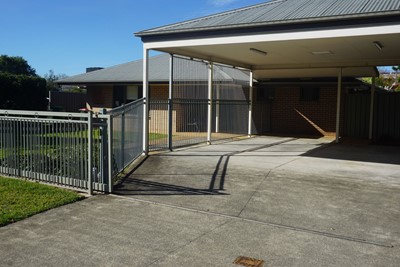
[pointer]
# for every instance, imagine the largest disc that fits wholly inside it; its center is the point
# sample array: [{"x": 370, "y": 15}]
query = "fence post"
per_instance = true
[
  {"x": 110, "y": 151},
  {"x": 170, "y": 96},
  {"x": 250, "y": 104},
  {"x": 338, "y": 103},
  {"x": 210, "y": 101},
  {"x": 123, "y": 136},
  {"x": 90, "y": 152},
  {"x": 371, "y": 112}
]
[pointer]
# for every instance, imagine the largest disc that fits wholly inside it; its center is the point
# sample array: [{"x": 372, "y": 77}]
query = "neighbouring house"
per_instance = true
[{"x": 121, "y": 84}]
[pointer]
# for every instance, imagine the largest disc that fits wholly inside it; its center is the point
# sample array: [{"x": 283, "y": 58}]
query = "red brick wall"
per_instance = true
[
  {"x": 100, "y": 96},
  {"x": 159, "y": 92},
  {"x": 318, "y": 117}
]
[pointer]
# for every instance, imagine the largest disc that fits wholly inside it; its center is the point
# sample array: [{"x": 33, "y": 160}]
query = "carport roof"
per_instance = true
[
  {"x": 284, "y": 12},
  {"x": 290, "y": 38}
]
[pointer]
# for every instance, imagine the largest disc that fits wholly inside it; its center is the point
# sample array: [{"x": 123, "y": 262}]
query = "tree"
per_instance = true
[
  {"x": 20, "y": 87},
  {"x": 51, "y": 78},
  {"x": 15, "y": 65}
]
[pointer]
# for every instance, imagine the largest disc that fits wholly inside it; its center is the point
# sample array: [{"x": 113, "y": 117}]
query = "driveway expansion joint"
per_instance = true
[{"x": 271, "y": 224}]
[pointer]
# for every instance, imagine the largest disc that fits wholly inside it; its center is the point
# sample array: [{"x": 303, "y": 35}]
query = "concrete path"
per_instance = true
[{"x": 286, "y": 201}]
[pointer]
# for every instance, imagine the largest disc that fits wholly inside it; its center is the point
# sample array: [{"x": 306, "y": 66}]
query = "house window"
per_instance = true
[
  {"x": 132, "y": 93},
  {"x": 309, "y": 94}
]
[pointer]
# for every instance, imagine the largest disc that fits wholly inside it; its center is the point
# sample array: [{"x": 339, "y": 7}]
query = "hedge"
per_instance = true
[{"x": 22, "y": 92}]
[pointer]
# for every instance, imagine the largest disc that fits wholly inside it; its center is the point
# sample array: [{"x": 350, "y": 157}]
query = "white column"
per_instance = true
[
  {"x": 146, "y": 101},
  {"x": 210, "y": 102},
  {"x": 339, "y": 98},
  {"x": 251, "y": 92},
  {"x": 217, "y": 111},
  {"x": 170, "y": 105},
  {"x": 371, "y": 113}
]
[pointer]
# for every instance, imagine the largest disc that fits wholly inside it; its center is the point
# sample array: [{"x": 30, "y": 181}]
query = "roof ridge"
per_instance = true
[{"x": 217, "y": 15}]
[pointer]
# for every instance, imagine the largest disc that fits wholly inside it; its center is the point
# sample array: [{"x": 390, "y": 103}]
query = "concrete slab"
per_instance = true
[{"x": 289, "y": 202}]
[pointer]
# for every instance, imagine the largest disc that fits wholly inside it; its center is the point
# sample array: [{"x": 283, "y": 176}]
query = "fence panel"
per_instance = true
[
  {"x": 191, "y": 122},
  {"x": 357, "y": 114},
  {"x": 50, "y": 147},
  {"x": 387, "y": 118},
  {"x": 67, "y": 101},
  {"x": 127, "y": 134},
  {"x": 158, "y": 125}
]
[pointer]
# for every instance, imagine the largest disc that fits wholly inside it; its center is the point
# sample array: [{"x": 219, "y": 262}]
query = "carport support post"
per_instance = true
[
  {"x": 170, "y": 95},
  {"x": 217, "y": 111},
  {"x": 146, "y": 101},
  {"x": 339, "y": 98},
  {"x": 250, "y": 103},
  {"x": 210, "y": 102},
  {"x": 371, "y": 112}
]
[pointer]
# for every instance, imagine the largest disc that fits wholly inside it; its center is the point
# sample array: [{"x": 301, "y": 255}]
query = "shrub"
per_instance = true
[{"x": 22, "y": 92}]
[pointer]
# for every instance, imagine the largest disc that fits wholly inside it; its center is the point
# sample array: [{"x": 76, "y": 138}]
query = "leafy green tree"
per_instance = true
[{"x": 15, "y": 65}]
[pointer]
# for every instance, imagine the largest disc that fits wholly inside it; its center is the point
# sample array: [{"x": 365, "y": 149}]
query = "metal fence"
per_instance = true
[
  {"x": 82, "y": 151},
  {"x": 158, "y": 124},
  {"x": 58, "y": 148},
  {"x": 190, "y": 105},
  {"x": 126, "y": 134}
]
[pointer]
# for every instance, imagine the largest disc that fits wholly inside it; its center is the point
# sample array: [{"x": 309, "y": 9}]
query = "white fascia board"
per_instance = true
[{"x": 257, "y": 38}]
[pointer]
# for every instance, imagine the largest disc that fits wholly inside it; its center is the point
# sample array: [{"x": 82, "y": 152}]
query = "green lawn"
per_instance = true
[
  {"x": 20, "y": 199},
  {"x": 156, "y": 136}
]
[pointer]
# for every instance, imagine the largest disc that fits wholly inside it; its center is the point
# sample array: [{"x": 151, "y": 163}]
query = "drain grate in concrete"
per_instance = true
[{"x": 248, "y": 262}]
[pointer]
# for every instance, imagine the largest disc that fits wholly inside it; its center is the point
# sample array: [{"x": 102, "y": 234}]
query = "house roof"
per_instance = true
[
  {"x": 278, "y": 12},
  {"x": 132, "y": 72}
]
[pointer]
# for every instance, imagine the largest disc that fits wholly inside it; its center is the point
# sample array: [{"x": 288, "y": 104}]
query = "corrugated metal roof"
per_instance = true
[
  {"x": 284, "y": 11},
  {"x": 132, "y": 72}
]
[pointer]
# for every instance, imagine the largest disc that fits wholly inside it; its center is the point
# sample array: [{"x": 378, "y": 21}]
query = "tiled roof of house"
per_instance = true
[{"x": 283, "y": 12}]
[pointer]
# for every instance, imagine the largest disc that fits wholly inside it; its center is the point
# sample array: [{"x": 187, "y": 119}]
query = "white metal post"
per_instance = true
[
  {"x": 250, "y": 104},
  {"x": 217, "y": 111},
  {"x": 339, "y": 98},
  {"x": 146, "y": 99},
  {"x": 371, "y": 113},
  {"x": 170, "y": 104},
  {"x": 210, "y": 101},
  {"x": 90, "y": 153},
  {"x": 110, "y": 152}
]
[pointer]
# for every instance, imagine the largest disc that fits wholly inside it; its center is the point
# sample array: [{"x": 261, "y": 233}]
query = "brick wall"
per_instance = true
[
  {"x": 100, "y": 96},
  {"x": 159, "y": 92},
  {"x": 292, "y": 116}
]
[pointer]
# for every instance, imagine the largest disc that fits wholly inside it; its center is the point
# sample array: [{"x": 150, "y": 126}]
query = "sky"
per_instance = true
[{"x": 67, "y": 36}]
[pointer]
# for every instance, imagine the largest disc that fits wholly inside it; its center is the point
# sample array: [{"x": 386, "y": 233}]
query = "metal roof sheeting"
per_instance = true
[
  {"x": 132, "y": 72},
  {"x": 284, "y": 11}
]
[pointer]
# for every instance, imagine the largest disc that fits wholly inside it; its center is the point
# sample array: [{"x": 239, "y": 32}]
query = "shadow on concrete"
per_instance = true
[
  {"x": 361, "y": 153},
  {"x": 132, "y": 185}
]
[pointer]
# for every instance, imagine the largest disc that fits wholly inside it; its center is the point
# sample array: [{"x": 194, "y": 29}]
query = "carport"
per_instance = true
[{"x": 286, "y": 39}]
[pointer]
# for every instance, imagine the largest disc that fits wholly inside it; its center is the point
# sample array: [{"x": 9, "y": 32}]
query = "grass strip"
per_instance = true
[{"x": 20, "y": 199}]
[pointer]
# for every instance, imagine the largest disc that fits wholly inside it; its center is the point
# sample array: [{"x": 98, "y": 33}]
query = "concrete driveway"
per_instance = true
[{"x": 286, "y": 201}]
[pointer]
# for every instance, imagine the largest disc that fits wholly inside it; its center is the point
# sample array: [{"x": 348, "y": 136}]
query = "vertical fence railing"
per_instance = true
[
  {"x": 158, "y": 125},
  {"x": 127, "y": 135},
  {"x": 232, "y": 119},
  {"x": 82, "y": 151},
  {"x": 191, "y": 121},
  {"x": 50, "y": 147}
]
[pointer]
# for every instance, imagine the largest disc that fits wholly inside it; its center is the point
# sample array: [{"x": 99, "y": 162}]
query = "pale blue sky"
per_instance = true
[{"x": 69, "y": 35}]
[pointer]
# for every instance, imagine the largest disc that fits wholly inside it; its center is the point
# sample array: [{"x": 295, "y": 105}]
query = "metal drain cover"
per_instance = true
[{"x": 248, "y": 262}]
